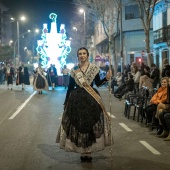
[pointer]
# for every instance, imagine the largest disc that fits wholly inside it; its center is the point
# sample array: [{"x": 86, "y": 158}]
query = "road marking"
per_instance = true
[
  {"x": 149, "y": 147},
  {"x": 125, "y": 127},
  {"x": 22, "y": 106},
  {"x": 112, "y": 116}
]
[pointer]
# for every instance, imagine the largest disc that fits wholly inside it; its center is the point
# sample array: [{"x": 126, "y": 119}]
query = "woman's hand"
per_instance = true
[{"x": 109, "y": 75}]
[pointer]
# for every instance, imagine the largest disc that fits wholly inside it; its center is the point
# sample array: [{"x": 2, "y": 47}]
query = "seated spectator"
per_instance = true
[
  {"x": 159, "y": 97},
  {"x": 116, "y": 81},
  {"x": 128, "y": 87},
  {"x": 145, "y": 80},
  {"x": 165, "y": 121},
  {"x": 124, "y": 76},
  {"x": 162, "y": 107},
  {"x": 121, "y": 87},
  {"x": 136, "y": 76},
  {"x": 142, "y": 68}
]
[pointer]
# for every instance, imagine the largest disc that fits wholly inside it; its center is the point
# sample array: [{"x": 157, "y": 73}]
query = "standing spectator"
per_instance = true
[
  {"x": 65, "y": 71},
  {"x": 9, "y": 74},
  {"x": 155, "y": 75},
  {"x": 56, "y": 77},
  {"x": 1, "y": 74},
  {"x": 22, "y": 76},
  {"x": 166, "y": 68}
]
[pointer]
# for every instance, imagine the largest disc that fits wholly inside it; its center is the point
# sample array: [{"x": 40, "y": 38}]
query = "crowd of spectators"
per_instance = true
[{"x": 157, "y": 110}]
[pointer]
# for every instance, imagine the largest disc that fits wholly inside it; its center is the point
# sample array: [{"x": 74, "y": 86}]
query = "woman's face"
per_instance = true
[
  {"x": 164, "y": 83},
  {"x": 82, "y": 55}
]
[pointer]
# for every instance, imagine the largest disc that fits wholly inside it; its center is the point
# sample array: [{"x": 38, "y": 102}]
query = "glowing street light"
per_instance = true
[
  {"x": 74, "y": 28},
  {"x": 37, "y": 30},
  {"x": 83, "y": 11}
]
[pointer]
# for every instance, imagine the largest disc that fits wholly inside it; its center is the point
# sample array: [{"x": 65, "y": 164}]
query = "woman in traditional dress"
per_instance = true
[
  {"x": 40, "y": 81},
  {"x": 85, "y": 126}
]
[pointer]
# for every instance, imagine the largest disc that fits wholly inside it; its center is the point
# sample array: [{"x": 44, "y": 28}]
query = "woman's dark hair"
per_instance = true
[{"x": 82, "y": 48}]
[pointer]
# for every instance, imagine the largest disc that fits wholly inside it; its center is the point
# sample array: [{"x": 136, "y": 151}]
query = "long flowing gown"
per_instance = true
[
  {"x": 84, "y": 127},
  {"x": 40, "y": 82}
]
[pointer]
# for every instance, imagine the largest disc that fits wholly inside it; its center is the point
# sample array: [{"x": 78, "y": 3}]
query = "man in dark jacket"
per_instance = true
[
  {"x": 155, "y": 75},
  {"x": 128, "y": 87},
  {"x": 22, "y": 76},
  {"x": 166, "y": 68}
]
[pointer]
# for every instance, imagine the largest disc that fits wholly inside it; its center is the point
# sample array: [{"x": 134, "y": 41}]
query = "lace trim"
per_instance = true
[{"x": 89, "y": 75}]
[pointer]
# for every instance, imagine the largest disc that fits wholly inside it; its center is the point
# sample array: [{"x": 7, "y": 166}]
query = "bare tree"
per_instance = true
[
  {"x": 77, "y": 36},
  {"x": 146, "y": 10},
  {"x": 6, "y": 53},
  {"x": 105, "y": 11}
]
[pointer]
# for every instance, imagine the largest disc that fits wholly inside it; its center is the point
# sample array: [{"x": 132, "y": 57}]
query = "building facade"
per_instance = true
[
  {"x": 133, "y": 38},
  {"x": 161, "y": 32},
  {"x": 5, "y": 26}
]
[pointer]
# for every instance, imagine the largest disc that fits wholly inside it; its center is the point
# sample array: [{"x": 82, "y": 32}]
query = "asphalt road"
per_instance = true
[{"x": 28, "y": 127}]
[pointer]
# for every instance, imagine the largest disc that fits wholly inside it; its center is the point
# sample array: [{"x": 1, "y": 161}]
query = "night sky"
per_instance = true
[{"x": 37, "y": 11}]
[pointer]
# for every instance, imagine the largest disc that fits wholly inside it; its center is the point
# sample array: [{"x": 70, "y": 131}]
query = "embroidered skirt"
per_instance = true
[
  {"x": 84, "y": 127},
  {"x": 40, "y": 83}
]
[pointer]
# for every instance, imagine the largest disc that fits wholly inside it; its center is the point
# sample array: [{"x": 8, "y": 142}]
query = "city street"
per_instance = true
[{"x": 28, "y": 127}]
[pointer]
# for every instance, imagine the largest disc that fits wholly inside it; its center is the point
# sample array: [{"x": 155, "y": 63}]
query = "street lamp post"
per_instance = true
[
  {"x": 36, "y": 31},
  {"x": 84, "y": 13},
  {"x": 17, "y": 40},
  {"x": 22, "y": 18}
]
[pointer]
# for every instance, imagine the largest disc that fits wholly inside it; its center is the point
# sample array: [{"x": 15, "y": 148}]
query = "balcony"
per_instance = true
[{"x": 160, "y": 35}]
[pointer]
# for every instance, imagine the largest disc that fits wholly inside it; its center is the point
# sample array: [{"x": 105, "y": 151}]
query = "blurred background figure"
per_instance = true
[
  {"x": 9, "y": 74},
  {"x": 65, "y": 71},
  {"x": 40, "y": 81},
  {"x": 1, "y": 74},
  {"x": 23, "y": 76},
  {"x": 51, "y": 76}
]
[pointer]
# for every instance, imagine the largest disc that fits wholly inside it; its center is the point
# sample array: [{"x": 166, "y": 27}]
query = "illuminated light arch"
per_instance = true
[{"x": 53, "y": 46}]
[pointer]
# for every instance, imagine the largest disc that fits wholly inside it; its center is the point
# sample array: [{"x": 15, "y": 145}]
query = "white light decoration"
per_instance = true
[{"x": 53, "y": 48}]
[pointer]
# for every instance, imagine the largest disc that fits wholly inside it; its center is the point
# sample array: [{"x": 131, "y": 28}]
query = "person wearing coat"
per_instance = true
[
  {"x": 155, "y": 75},
  {"x": 22, "y": 76},
  {"x": 146, "y": 80},
  {"x": 9, "y": 74},
  {"x": 159, "y": 97},
  {"x": 128, "y": 87},
  {"x": 51, "y": 76},
  {"x": 166, "y": 68}
]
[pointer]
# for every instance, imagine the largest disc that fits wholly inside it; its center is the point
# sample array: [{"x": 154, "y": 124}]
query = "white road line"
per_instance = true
[
  {"x": 22, "y": 106},
  {"x": 112, "y": 116},
  {"x": 149, "y": 147},
  {"x": 125, "y": 127}
]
